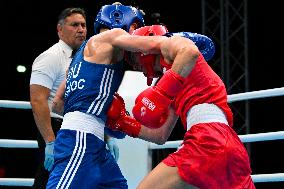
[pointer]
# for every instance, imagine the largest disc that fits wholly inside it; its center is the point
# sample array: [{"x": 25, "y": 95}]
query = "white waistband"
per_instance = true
[
  {"x": 205, "y": 113},
  {"x": 80, "y": 121}
]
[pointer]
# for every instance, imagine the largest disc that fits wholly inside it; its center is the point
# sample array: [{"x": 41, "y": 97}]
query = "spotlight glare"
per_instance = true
[{"x": 21, "y": 68}]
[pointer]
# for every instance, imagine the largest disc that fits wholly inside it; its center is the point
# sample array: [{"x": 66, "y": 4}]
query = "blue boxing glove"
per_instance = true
[
  {"x": 115, "y": 134},
  {"x": 49, "y": 156},
  {"x": 113, "y": 148},
  {"x": 204, "y": 43}
]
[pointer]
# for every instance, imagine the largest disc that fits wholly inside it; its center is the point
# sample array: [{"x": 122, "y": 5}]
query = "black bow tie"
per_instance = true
[{"x": 73, "y": 53}]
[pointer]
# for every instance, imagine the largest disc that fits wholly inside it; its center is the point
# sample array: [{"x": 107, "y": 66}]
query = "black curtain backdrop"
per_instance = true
[{"x": 29, "y": 27}]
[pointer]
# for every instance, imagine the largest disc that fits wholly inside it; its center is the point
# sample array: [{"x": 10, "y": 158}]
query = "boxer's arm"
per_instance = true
[
  {"x": 160, "y": 135},
  {"x": 118, "y": 120},
  {"x": 135, "y": 43},
  {"x": 135, "y": 129},
  {"x": 182, "y": 53}
]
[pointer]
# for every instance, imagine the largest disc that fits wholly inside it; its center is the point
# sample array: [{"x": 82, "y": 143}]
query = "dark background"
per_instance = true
[{"x": 29, "y": 27}]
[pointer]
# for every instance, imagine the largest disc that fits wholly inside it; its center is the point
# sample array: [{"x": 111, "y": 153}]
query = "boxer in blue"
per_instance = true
[{"x": 81, "y": 159}]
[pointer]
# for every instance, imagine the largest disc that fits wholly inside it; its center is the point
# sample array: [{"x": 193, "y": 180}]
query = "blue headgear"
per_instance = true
[{"x": 118, "y": 16}]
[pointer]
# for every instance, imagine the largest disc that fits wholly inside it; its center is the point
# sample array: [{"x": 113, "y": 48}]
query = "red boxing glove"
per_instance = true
[
  {"x": 118, "y": 118},
  {"x": 151, "y": 105}
]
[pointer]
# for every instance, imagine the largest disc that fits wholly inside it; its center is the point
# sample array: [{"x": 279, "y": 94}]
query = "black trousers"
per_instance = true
[{"x": 41, "y": 176}]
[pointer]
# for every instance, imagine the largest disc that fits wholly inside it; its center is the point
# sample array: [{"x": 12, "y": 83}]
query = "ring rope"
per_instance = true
[
  {"x": 16, "y": 181},
  {"x": 258, "y": 178},
  {"x": 9, "y": 143},
  {"x": 15, "y": 104},
  {"x": 279, "y": 135},
  {"x": 256, "y": 94},
  {"x": 21, "y": 105},
  {"x": 231, "y": 98},
  {"x": 276, "y": 177}
]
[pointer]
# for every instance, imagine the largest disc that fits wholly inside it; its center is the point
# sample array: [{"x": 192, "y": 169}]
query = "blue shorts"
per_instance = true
[{"x": 82, "y": 161}]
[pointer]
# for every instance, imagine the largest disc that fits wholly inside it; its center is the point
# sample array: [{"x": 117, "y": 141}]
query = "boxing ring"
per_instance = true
[{"x": 249, "y": 138}]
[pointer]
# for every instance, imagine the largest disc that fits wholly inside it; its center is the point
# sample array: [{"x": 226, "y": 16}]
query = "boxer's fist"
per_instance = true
[
  {"x": 117, "y": 107},
  {"x": 152, "y": 105},
  {"x": 119, "y": 120}
]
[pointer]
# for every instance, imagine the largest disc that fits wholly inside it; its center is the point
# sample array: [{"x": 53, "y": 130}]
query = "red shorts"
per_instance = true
[{"x": 212, "y": 156}]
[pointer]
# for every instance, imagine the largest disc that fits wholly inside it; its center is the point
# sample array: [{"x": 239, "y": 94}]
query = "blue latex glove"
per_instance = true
[
  {"x": 49, "y": 156},
  {"x": 113, "y": 148}
]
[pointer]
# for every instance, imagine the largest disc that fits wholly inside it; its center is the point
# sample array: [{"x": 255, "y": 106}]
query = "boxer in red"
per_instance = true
[{"x": 211, "y": 155}]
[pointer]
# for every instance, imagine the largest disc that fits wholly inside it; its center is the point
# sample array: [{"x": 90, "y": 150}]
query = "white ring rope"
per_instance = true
[
  {"x": 231, "y": 98},
  {"x": 258, "y": 178},
  {"x": 21, "y": 105},
  {"x": 276, "y": 177},
  {"x": 15, "y": 104},
  {"x": 256, "y": 94},
  {"x": 279, "y": 135},
  {"x": 244, "y": 138},
  {"x": 8, "y": 143},
  {"x": 16, "y": 181}
]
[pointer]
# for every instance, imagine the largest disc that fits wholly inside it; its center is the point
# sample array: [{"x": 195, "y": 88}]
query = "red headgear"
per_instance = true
[{"x": 147, "y": 61}]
